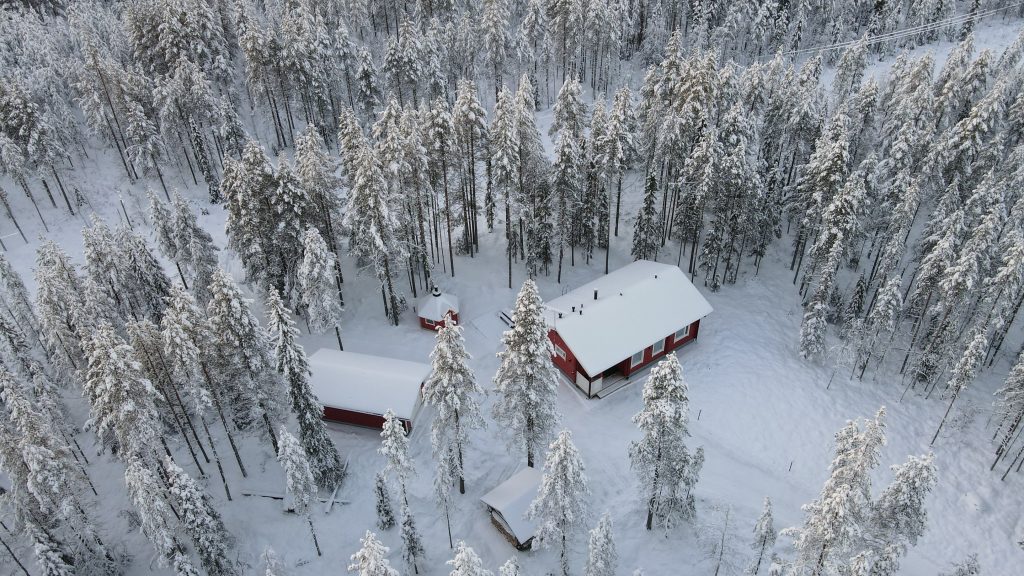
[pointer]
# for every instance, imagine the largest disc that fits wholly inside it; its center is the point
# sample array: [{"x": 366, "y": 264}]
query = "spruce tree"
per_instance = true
[
  {"x": 318, "y": 293},
  {"x": 834, "y": 521},
  {"x": 371, "y": 559},
  {"x": 193, "y": 248},
  {"x": 242, "y": 346},
  {"x": 526, "y": 381},
  {"x": 660, "y": 458},
  {"x": 560, "y": 507},
  {"x": 603, "y": 560},
  {"x": 509, "y": 568},
  {"x": 453, "y": 391},
  {"x": 764, "y": 537},
  {"x": 466, "y": 562},
  {"x": 373, "y": 225},
  {"x": 394, "y": 446},
  {"x": 412, "y": 543},
  {"x": 385, "y": 514},
  {"x": 299, "y": 480},
  {"x": 646, "y": 234},
  {"x": 200, "y": 520},
  {"x": 293, "y": 366}
]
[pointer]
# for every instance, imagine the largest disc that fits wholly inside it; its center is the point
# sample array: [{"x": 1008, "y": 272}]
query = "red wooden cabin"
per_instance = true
[
  {"x": 614, "y": 326},
  {"x": 358, "y": 389}
]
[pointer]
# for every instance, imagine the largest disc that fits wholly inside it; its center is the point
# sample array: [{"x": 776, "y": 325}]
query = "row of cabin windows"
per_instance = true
[{"x": 658, "y": 347}]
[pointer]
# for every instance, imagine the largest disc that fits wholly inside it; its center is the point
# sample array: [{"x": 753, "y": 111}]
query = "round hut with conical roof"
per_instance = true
[{"x": 433, "y": 307}]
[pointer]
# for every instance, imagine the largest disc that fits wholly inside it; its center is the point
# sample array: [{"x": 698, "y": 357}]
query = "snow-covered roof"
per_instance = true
[
  {"x": 367, "y": 384},
  {"x": 512, "y": 498},
  {"x": 636, "y": 306},
  {"x": 435, "y": 305}
]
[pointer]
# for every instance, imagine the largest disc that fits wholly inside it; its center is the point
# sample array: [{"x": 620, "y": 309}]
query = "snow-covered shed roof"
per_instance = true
[
  {"x": 512, "y": 498},
  {"x": 367, "y": 384},
  {"x": 435, "y": 305},
  {"x": 636, "y": 306}
]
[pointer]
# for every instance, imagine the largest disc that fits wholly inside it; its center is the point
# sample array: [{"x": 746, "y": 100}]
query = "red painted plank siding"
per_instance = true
[
  {"x": 439, "y": 323},
  {"x": 568, "y": 365},
  {"x": 359, "y": 418}
]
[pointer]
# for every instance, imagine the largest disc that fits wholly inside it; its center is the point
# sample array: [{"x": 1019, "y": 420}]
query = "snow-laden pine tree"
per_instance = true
[
  {"x": 394, "y": 446},
  {"x": 969, "y": 567},
  {"x": 121, "y": 400},
  {"x": 526, "y": 382},
  {"x": 1009, "y": 409},
  {"x": 272, "y": 563},
  {"x": 293, "y": 366},
  {"x": 964, "y": 372},
  {"x": 412, "y": 542},
  {"x": 494, "y": 29},
  {"x": 569, "y": 113},
  {"x": 373, "y": 227},
  {"x": 60, "y": 303},
  {"x": 647, "y": 229},
  {"x": 53, "y": 480},
  {"x": 201, "y": 521},
  {"x": 187, "y": 343},
  {"x": 16, "y": 300},
  {"x": 156, "y": 517},
  {"x": 385, "y": 513},
  {"x": 453, "y": 391},
  {"x": 660, "y": 458},
  {"x": 834, "y": 521},
  {"x": 317, "y": 288},
  {"x": 50, "y": 557},
  {"x": 603, "y": 559},
  {"x": 315, "y": 170},
  {"x": 469, "y": 120},
  {"x": 506, "y": 165},
  {"x": 764, "y": 538},
  {"x": 194, "y": 250},
  {"x": 299, "y": 480},
  {"x": 371, "y": 559},
  {"x": 898, "y": 516},
  {"x": 243, "y": 348},
  {"x": 142, "y": 279},
  {"x": 566, "y": 180},
  {"x": 509, "y": 568},
  {"x": 560, "y": 507},
  {"x": 466, "y": 562}
]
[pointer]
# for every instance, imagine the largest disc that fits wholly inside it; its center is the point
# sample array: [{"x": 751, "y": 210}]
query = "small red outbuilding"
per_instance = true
[{"x": 432, "y": 309}]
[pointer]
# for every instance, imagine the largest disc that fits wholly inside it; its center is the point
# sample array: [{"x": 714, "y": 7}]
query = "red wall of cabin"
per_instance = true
[
  {"x": 439, "y": 323},
  {"x": 359, "y": 418},
  {"x": 567, "y": 366},
  {"x": 670, "y": 345}
]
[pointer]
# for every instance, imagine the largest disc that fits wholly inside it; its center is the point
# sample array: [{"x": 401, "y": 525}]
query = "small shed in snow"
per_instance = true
[
  {"x": 432, "y": 308},
  {"x": 358, "y": 388},
  {"x": 508, "y": 503},
  {"x": 623, "y": 321}
]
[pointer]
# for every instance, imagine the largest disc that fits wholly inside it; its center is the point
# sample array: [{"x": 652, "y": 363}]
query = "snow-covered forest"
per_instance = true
[{"x": 199, "y": 194}]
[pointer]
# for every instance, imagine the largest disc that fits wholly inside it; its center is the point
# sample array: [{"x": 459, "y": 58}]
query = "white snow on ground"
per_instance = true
[{"x": 763, "y": 416}]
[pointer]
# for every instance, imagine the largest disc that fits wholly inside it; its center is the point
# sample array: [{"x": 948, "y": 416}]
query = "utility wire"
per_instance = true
[{"x": 906, "y": 32}]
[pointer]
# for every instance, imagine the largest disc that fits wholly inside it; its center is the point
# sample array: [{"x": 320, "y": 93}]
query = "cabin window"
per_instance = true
[
  {"x": 637, "y": 359},
  {"x": 658, "y": 348},
  {"x": 428, "y": 322},
  {"x": 681, "y": 334},
  {"x": 559, "y": 352}
]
